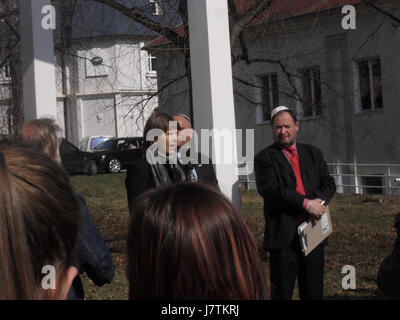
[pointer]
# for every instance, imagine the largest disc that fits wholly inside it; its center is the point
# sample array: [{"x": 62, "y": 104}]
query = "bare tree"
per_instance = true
[
  {"x": 177, "y": 37},
  {"x": 10, "y": 66},
  {"x": 248, "y": 25}
]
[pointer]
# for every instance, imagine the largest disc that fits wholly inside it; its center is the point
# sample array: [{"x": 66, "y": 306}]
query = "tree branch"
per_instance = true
[
  {"x": 258, "y": 8},
  {"x": 9, "y": 54},
  {"x": 136, "y": 15},
  {"x": 369, "y": 3},
  {"x": 156, "y": 93}
]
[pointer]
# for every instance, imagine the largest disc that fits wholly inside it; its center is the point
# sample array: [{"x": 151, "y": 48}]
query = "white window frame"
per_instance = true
[
  {"x": 259, "y": 96},
  {"x": 299, "y": 104},
  {"x": 159, "y": 11},
  {"x": 5, "y": 73},
  {"x": 150, "y": 58},
  {"x": 357, "y": 88}
]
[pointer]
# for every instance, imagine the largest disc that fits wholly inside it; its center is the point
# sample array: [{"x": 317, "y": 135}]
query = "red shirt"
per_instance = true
[{"x": 299, "y": 182}]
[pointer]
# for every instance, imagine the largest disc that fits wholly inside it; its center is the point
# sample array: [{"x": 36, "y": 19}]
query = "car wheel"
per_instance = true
[
  {"x": 92, "y": 168},
  {"x": 114, "y": 166}
]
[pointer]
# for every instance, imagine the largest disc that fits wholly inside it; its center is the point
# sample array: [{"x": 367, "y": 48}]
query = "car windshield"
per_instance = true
[
  {"x": 97, "y": 141},
  {"x": 106, "y": 145}
]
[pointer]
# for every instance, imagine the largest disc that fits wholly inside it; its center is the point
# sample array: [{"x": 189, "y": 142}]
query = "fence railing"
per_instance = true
[
  {"x": 349, "y": 177},
  {"x": 366, "y": 178}
]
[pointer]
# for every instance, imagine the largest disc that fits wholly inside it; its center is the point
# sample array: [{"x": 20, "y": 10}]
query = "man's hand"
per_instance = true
[{"x": 315, "y": 208}]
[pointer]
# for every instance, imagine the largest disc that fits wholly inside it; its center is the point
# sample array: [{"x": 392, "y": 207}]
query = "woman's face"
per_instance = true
[{"x": 168, "y": 142}]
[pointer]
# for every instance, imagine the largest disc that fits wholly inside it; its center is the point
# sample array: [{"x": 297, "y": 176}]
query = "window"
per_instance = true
[
  {"x": 5, "y": 72},
  {"x": 106, "y": 145},
  {"x": 311, "y": 92},
  {"x": 269, "y": 97},
  {"x": 156, "y": 7},
  {"x": 152, "y": 62},
  {"x": 370, "y": 84}
]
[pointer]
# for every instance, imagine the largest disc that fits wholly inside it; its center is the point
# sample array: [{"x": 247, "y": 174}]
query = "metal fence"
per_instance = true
[
  {"x": 349, "y": 177},
  {"x": 366, "y": 178}
]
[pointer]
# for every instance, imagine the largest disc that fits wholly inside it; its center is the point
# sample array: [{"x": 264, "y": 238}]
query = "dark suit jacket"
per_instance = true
[
  {"x": 276, "y": 183},
  {"x": 139, "y": 177}
]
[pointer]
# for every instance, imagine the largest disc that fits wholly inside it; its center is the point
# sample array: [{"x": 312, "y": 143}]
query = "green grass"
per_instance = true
[{"x": 363, "y": 235}]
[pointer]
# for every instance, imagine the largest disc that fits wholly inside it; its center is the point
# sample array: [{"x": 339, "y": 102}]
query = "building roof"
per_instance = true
[
  {"x": 279, "y": 10},
  {"x": 94, "y": 19}
]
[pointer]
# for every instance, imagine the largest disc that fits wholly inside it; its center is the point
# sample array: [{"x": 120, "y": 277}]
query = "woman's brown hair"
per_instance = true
[
  {"x": 39, "y": 220},
  {"x": 187, "y": 241},
  {"x": 158, "y": 120}
]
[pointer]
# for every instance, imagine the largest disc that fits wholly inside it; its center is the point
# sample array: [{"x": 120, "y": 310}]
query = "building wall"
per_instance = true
[
  {"x": 110, "y": 98},
  {"x": 341, "y": 131},
  {"x": 174, "y": 93},
  {"x": 131, "y": 120}
]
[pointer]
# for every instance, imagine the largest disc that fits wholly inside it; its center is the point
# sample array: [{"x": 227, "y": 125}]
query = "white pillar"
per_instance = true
[
  {"x": 39, "y": 90},
  {"x": 213, "y": 105}
]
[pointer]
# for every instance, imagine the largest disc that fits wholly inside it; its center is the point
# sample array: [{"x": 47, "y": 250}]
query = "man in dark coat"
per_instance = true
[{"x": 294, "y": 181}]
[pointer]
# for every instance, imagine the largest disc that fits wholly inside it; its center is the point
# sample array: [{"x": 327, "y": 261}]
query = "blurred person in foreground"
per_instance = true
[
  {"x": 187, "y": 241},
  {"x": 389, "y": 270},
  {"x": 92, "y": 254},
  {"x": 39, "y": 222},
  {"x": 293, "y": 180}
]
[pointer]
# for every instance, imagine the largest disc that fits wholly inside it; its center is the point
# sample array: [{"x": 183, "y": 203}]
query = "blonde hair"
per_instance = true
[{"x": 43, "y": 134}]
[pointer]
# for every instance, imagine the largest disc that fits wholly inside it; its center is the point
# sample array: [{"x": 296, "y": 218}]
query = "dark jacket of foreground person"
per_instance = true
[
  {"x": 93, "y": 255},
  {"x": 389, "y": 271}
]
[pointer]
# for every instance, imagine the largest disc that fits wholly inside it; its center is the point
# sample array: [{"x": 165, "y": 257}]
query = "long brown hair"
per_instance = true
[
  {"x": 187, "y": 241},
  {"x": 39, "y": 220}
]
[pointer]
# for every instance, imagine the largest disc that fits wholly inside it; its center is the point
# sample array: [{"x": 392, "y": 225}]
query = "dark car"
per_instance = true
[
  {"x": 77, "y": 161},
  {"x": 116, "y": 154}
]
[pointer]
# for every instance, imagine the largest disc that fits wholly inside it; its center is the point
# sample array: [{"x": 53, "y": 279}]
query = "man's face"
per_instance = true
[
  {"x": 284, "y": 129},
  {"x": 184, "y": 130}
]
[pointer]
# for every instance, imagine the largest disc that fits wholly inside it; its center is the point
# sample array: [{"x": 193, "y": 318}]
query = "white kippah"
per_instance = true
[
  {"x": 278, "y": 109},
  {"x": 184, "y": 116}
]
